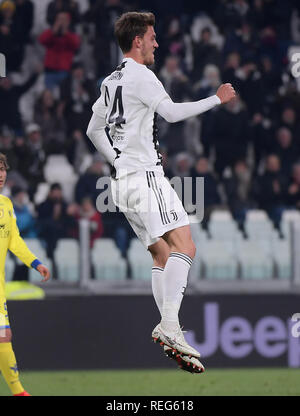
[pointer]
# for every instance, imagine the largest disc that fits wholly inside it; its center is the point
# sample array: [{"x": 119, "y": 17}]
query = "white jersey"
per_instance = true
[{"x": 128, "y": 101}]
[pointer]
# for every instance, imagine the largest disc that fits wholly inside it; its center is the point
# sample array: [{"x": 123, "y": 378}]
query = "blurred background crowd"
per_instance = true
[{"x": 57, "y": 54}]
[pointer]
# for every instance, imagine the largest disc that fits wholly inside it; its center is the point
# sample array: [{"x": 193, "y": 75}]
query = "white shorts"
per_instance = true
[{"x": 150, "y": 204}]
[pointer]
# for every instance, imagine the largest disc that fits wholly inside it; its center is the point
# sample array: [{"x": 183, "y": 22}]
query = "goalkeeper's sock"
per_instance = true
[
  {"x": 8, "y": 367},
  {"x": 157, "y": 286},
  {"x": 174, "y": 285}
]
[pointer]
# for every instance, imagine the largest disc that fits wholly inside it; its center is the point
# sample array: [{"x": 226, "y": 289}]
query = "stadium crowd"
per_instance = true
[{"x": 248, "y": 151}]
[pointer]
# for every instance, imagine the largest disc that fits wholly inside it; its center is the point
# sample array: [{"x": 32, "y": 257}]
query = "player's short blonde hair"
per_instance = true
[
  {"x": 132, "y": 24},
  {"x": 3, "y": 160}
]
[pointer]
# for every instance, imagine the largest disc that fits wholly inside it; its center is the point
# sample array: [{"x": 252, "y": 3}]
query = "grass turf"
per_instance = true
[{"x": 225, "y": 382}]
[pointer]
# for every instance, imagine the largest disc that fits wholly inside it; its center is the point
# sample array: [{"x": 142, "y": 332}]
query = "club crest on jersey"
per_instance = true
[
  {"x": 174, "y": 215},
  {"x": 1, "y": 213}
]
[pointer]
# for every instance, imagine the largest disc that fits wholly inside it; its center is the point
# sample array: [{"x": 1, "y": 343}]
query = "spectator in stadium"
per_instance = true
[
  {"x": 270, "y": 189},
  {"x": 285, "y": 149},
  {"x": 172, "y": 41},
  {"x": 48, "y": 114},
  {"x": 244, "y": 40},
  {"x": 103, "y": 15},
  {"x": 256, "y": 14},
  {"x": 228, "y": 134},
  {"x": 270, "y": 80},
  {"x": 77, "y": 94},
  {"x": 31, "y": 157},
  {"x": 204, "y": 53},
  {"x": 212, "y": 197},
  {"x": 52, "y": 218},
  {"x": 261, "y": 134},
  {"x": 250, "y": 86},
  {"x": 289, "y": 119},
  {"x": 25, "y": 218},
  {"x": 12, "y": 42},
  {"x": 206, "y": 87},
  {"x": 208, "y": 84},
  {"x": 181, "y": 165},
  {"x": 230, "y": 69},
  {"x": 293, "y": 192},
  {"x": 178, "y": 87},
  {"x": 10, "y": 95},
  {"x": 86, "y": 185},
  {"x": 7, "y": 147},
  {"x": 61, "y": 45},
  {"x": 68, "y": 6},
  {"x": 238, "y": 189},
  {"x": 87, "y": 210},
  {"x": 23, "y": 18},
  {"x": 77, "y": 150}
]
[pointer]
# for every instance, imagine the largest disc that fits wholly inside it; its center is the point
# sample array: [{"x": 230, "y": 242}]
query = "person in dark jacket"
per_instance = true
[
  {"x": 52, "y": 218},
  {"x": 238, "y": 189},
  {"x": 10, "y": 95},
  {"x": 270, "y": 189},
  {"x": 293, "y": 191},
  {"x": 77, "y": 96},
  {"x": 212, "y": 198},
  {"x": 16, "y": 18}
]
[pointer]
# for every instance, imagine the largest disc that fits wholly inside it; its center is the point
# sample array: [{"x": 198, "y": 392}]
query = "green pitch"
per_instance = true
[{"x": 277, "y": 382}]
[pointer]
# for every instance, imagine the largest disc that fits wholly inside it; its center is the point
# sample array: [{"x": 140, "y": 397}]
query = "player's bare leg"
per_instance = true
[
  {"x": 8, "y": 364},
  {"x": 160, "y": 252}
]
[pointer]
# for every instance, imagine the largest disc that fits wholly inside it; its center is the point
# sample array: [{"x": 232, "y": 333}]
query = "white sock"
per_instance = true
[
  {"x": 174, "y": 285},
  {"x": 157, "y": 286}
]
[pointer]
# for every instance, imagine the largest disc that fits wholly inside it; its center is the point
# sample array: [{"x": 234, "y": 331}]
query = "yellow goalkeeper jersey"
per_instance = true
[{"x": 10, "y": 239}]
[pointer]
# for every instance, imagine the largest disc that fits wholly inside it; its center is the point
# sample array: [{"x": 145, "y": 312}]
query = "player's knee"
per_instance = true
[
  {"x": 191, "y": 249},
  {"x": 160, "y": 259}
]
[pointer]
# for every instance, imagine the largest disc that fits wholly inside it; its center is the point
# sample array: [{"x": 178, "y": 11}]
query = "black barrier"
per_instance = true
[{"x": 115, "y": 331}]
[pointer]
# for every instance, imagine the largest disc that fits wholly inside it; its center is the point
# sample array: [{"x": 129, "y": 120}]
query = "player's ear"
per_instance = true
[{"x": 137, "y": 42}]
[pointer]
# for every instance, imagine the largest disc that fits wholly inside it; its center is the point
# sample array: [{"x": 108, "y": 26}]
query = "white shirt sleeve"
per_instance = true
[
  {"x": 173, "y": 112},
  {"x": 150, "y": 90},
  {"x": 97, "y": 131}
]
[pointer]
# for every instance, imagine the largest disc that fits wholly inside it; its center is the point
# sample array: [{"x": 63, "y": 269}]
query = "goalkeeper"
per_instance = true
[{"x": 10, "y": 240}]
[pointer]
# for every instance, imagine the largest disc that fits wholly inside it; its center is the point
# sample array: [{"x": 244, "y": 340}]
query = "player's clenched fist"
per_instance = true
[{"x": 226, "y": 93}]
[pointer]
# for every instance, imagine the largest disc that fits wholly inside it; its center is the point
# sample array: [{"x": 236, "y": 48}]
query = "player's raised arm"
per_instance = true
[{"x": 173, "y": 112}]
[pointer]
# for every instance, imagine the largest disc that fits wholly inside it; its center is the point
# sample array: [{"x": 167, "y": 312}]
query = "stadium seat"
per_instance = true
[
  {"x": 258, "y": 226},
  {"x": 198, "y": 234},
  {"x": 256, "y": 215},
  {"x": 224, "y": 229},
  {"x": 220, "y": 215},
  {"x": 41, "y": 192},
  {"x": 36, "y": 246},
  {"x": 281, "y": 252},
  {"x": 218, "y": 261},
  {"x": 254, "y": 263},
  {"x": 107, "y": 260},
  {"x": 140, "y": 261},
  {"x": 66, "y": 257},
  {"x": 58, "y": 169},
  {"x": 288, "y": 217}
]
